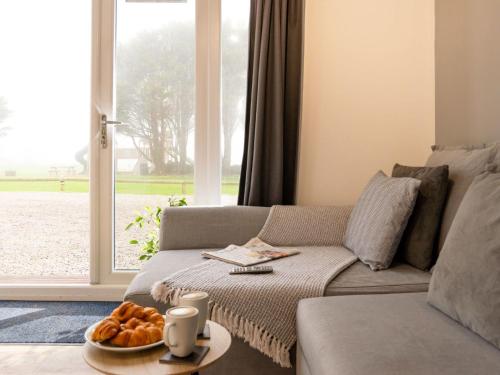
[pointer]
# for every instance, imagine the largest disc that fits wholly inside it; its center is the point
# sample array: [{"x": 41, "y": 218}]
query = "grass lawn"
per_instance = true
[{"x": 160, "y": 186}]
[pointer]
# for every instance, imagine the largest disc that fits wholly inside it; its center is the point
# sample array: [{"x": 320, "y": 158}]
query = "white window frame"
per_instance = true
[
  {"x": 208, "y": 161},
  {"x": 207, "y": 171}
]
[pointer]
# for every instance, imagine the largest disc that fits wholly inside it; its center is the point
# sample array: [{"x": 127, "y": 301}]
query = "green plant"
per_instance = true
[{"x": 149, "y": 220}]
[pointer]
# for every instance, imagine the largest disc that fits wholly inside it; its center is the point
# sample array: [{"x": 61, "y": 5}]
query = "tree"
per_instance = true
[
  {"x": 4, "y": 114},
  {"x": 155, "y": 95}
]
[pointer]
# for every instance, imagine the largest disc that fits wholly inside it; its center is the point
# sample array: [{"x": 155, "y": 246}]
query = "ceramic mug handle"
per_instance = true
[{"x": 166, "y": 335}]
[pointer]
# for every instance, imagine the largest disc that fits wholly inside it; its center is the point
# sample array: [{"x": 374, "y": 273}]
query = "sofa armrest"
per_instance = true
[{"x": 209, "y": 227}]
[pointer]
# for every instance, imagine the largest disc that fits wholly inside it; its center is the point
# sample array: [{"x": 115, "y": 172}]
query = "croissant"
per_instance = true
[
  {"x": 132, "y": 323},
  {"x": 127, "y": 310},
  {"x": 152, "y": 315},
  {"x": 136, "y": 332},
  {"x": 106, "y": 329}
]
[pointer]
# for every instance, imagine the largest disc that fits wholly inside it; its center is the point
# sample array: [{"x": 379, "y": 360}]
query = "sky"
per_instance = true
[{"x": 45, "y": 72}]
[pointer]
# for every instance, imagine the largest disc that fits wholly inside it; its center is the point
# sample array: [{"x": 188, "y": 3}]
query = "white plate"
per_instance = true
[{"x": 111, "y": 348}]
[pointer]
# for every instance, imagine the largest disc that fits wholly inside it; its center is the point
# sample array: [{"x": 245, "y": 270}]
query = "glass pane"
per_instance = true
[
  {"x": 234, "y": 60},
  {"x": 155, "y": 98},
  {"x": 44, "y": 132}
]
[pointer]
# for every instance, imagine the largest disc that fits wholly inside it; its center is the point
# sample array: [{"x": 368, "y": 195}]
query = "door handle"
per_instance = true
[{"x": 104, "y": 129}]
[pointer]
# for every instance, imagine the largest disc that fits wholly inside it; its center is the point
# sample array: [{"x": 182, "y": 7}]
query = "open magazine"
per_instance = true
[{"x": 253, "y": 252}]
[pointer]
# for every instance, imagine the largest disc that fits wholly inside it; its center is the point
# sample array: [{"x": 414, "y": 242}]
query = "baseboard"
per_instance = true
[{"x": 67, "y": 292}]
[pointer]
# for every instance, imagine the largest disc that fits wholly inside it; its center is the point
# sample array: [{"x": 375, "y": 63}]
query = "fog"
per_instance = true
[{"x": 45, "y": 74}]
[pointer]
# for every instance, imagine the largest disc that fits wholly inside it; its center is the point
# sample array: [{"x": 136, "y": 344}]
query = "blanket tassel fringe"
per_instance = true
[{"x": 254, "y": 335}]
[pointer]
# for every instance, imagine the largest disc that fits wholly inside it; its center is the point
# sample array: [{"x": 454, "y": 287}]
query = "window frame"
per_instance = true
[{"x": 208, "y": 161}]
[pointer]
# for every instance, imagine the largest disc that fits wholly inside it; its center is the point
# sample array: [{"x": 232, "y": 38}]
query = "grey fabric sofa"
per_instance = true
[
  {"x": 185, "y": 231},
  {"x": 387, "y": 335}
]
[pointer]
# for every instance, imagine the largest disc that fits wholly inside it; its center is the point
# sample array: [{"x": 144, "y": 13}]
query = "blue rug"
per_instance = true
[{"x": 49, "y": 322}]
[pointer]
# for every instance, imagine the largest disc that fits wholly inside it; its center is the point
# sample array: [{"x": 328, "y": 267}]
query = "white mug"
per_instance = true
[
  {"x": 200, "y": 301},
  {"x": 179, "y": 333}
]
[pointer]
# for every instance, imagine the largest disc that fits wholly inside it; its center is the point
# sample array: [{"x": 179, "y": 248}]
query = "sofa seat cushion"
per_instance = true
[
  {"x": 388, "y": 334},
  {"x": 161, "y": 265},
  {"x": 360, "y": 279},
  {"x": 357, "y": 279}
]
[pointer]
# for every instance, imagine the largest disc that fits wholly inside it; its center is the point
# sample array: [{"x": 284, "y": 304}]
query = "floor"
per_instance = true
[{"x": 43, "y": 359}]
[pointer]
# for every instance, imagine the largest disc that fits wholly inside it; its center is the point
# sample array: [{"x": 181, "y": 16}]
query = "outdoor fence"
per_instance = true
[{"x": 183, "y": 184}]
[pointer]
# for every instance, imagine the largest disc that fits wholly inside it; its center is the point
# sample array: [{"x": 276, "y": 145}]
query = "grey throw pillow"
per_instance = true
[
  {"x": 465, "y": 283},
  {"x": 465, "y": 163},
  {"x": 417, "y": 245},
  {"x": 305, "y": 226},
  {"x": 379, "y": 219},
  {"x": 497, "y": 156}
]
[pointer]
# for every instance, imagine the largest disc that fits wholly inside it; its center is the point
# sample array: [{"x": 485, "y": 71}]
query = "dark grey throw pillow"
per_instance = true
[
  {"x": 418, "y": 242},
  {"x": 465, "y": 283},
  {"x": 379, "y": 218}
]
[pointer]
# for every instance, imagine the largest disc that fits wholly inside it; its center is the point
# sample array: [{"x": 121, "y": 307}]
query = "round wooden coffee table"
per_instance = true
[{"x": 146, "y": 362}]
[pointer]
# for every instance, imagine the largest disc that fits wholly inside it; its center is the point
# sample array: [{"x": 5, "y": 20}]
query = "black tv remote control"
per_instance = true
[{"x": 252, "y": 269}]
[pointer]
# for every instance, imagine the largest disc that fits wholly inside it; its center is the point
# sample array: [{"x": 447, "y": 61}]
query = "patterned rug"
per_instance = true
[{"x": 49, "y": 322}]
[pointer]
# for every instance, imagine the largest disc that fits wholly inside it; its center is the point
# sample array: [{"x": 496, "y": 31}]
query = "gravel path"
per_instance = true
[{"x": 47, "y": 234}]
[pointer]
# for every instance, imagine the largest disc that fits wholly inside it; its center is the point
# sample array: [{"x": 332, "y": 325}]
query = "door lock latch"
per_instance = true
[{"x": 104, "y": 129}]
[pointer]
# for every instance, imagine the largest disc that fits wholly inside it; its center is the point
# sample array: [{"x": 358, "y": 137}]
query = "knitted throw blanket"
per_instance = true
[{"x": 260, "y": 309}]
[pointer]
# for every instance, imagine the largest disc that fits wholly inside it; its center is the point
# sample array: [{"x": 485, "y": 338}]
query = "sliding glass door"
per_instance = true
[
  {"x": 175, "y": 86},
  {"x": 110, "y": 109}
]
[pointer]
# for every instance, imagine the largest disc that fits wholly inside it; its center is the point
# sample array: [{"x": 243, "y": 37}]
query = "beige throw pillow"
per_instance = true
[
  {"x": 496, "y": 160},
  {"x": 305, "y": 226}
]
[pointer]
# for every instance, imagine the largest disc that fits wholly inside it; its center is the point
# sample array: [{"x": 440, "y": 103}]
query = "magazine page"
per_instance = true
[{"x": 253, "y": 252}]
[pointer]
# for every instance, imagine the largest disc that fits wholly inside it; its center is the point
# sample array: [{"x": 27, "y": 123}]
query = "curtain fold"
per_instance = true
[{"x": 269, "y": 166}]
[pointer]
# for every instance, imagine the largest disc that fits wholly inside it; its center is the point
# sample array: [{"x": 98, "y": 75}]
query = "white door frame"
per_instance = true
[
  {"x": 207, "y": 129},
  {"x": 102, "y": 165}
]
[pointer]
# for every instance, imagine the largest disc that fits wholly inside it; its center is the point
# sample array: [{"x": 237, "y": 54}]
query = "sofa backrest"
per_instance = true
[
  {"x": 209, "y": 227},
  {"x": 465, "y": 163}
]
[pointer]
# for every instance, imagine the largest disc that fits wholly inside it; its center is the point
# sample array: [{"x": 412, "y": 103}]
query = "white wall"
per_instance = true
[{"x": 368, "y": 94}]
